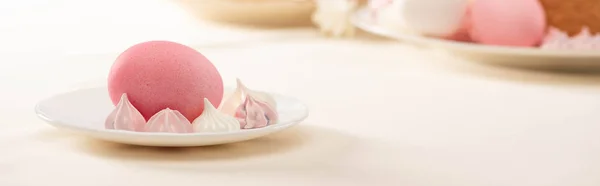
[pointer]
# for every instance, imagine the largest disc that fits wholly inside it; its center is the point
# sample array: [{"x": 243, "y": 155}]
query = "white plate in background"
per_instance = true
[{"x": 511, "y": 56}]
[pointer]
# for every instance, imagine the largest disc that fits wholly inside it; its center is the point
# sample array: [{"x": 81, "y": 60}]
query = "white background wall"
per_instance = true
[{"x": 91, "y": 26}]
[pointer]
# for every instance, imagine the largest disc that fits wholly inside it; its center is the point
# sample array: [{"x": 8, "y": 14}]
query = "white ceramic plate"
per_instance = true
[
  {"x": 512, "y": 56},
  {"x": 83, "y": 111}
]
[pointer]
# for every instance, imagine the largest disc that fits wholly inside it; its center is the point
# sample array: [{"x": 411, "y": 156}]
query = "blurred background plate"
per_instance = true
[
  {"x": 498, "y": 55},
  {"x": 253, "y": 12}
]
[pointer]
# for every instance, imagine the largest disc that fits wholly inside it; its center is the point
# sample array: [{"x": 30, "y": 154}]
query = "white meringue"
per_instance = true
[
  {"x": 211, "y": 120},
  {"x": 169, "y": 121},
  {"x": 333, "y": 17},
  {"x": 239, "y": 95},
  {"x": 125, "y": 117}
]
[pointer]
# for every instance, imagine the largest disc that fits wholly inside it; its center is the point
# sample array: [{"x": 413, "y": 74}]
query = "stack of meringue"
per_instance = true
[
  {"x": 244, "y": 109},
  {"x": 558, "y": 40}
]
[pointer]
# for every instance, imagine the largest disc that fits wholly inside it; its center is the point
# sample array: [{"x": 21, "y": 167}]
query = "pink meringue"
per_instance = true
[
  {"x": 125, "y": 117},
  {"x": 255, "y": 114},
  {"x": 231, "y": 104},
  {"x": 169, "y": 121},
  {"x": 556, "y": 39}
]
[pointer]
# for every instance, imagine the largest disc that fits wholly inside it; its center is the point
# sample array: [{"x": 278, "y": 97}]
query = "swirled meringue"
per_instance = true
[
  {"x": 169, "y": 121},
  {"x": 125, "y": 117},
  {"x": 230, "y": 105},
  {"x": 255, "y": 114},
  {"x": 211, "y": 120}
]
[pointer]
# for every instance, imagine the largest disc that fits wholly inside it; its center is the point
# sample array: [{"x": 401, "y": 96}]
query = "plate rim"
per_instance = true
[
  {"x": 275, "y": 127},
  {"x": 358, "y": 19}
]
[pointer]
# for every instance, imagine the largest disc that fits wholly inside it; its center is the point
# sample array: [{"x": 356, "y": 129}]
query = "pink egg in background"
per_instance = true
[
  {"x": 161, "y": 74},
  {"x": 507, "y": 22}
]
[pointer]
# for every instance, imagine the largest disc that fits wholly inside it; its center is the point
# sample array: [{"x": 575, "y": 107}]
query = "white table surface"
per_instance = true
[{"x": 382, "y": 113}]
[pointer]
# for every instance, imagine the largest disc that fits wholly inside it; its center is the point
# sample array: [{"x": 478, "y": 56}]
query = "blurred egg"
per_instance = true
[
  {"x": 507, "y": 22},
  {"x": 440, "y": 18},
  {"x": 388, "y": 14}
]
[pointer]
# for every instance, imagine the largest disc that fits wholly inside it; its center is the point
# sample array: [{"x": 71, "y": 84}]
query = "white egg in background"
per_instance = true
[
  {"x": 388, "y": 14},
  {"x": 434, "y": 17}
]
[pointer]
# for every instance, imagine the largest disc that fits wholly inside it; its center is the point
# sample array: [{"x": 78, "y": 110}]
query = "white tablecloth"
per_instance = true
[{"x": 382, "y": 113}]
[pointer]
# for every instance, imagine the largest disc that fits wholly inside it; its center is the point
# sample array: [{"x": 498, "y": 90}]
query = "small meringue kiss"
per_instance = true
[
  {"x": 239, "y": 95},
  {"x": 255, "y": 114},
  {"x": 211, "y": 120},
  {"x": 125, "y": 117},
  {"x": 169, "y": 121}
]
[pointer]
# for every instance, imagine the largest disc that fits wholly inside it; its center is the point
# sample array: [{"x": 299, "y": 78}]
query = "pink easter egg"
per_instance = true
[
  {"x": 507, "y": 22},
  {"x": 157, "y": 75}
]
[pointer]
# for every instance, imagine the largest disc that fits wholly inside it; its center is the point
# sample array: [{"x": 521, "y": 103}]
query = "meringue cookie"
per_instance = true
[
  {"x": 170, "y": 121},
  {"x": 255, "y": 114},
  {"x": 333, "y": 17},
  {"x": 211, "y": 120},
  {"x": 125, "y": 117},
  {"x": 239, "y": 95},
  {"x": 556, "y": 39},
  {"x": 434, "y": 17}
]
